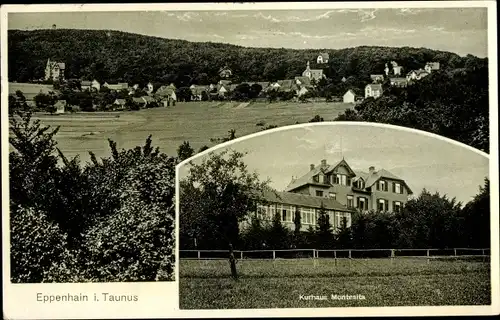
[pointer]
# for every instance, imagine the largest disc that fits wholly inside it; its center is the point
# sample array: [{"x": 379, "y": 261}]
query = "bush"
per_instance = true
[{"x": 38, "y": 249}]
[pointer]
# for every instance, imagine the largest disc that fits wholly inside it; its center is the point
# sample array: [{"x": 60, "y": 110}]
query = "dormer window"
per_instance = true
[
  {"x": 316, "y": 178},
  {"x": 382, "y": 185},
  {"x": 360, "y": 184}
]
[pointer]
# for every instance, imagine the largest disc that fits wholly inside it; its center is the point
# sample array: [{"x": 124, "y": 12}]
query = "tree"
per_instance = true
[
  {"x": 324, "y": 234},
  {"x": 216, "y": 196},
  {"x": 32, "y": 168},
  {"x": 45, "y": 101},
  {"x": 476, "y": 219},
  {"x": 185, "y": 151}
]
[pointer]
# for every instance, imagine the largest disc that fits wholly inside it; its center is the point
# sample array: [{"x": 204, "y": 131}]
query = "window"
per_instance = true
[
  {"x": 316, "y": 178},
  {"x": 286, "y": 213},
  {"x": 319, "y": 193},
  {"x": 396, "y": 206},
  {"x": 342, "y": 218},
  {"x": 272, "y": 211},
  {"x": 321, "y": 178},
  {"x": 396, "y": 188},
  {"x": 341, "y": 179},
  {"x": 382, "y": 205},
  {"x": 262, "y": 212},
  {"x": 325, "y": 179},
  {"x": 349, "y": 181},
  {"x": 330, "y": 217},
  {"x": 382, "y": 185},
  {"x": 350, "y": 201},
  {"x": 332, "y": 195},
  {"x": 362, "y": 203},
  {"x": 307, "y": 216}
]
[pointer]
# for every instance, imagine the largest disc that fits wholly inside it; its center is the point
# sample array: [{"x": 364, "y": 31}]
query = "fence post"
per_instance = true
[
  {"x": 455, "y": 251},
  {"x": 199, "y": 254},
  {"x": 241, "y": 255},
  {"x": 392, "y": 255},
  {"x": 335, "y": 256},
  {"x": 428, "y": 260},
  {"x": 350, "y": 254},
  {"x": 274, "y": 255}
]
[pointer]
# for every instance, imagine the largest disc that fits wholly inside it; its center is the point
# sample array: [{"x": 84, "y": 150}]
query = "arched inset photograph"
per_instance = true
[{"x": 334, "y": 215}]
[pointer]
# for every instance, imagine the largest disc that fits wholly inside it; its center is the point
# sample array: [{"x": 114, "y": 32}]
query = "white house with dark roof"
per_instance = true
[
  {"x": 431, "y": 66},
  {"x": 316, "y": 74},
  {"x": 378, "y": 190},
  {"x": 323, "y": 57},
  {"x": 417, "y": 74},
  {"x": 54, "y": 70},
  {"x": 373, "y": 90}
]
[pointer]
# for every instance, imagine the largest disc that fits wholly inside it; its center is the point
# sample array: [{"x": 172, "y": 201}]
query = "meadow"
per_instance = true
[
  {"x": 206, "y": 284},
  {"x": 196, "y": 122}
]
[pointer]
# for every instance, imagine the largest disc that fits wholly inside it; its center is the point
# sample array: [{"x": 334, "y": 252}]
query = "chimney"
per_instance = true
[
  {"x": 323, "y": 163},
  {"x": 312, "y": 166},
  {"x": 372, "y": 169}
]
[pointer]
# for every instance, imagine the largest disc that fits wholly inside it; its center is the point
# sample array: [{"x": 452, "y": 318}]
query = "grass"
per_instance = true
[
  {"x": 402, "y": 282},
  {"x": 196, "y": 122}
]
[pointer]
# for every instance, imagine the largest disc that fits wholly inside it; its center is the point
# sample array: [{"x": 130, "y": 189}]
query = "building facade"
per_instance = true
[
  {"x": 316, "y": 74},
  {"x": 378, "y": 190},
  {"x": 54, "y": 71},
  {"x": 373, "y": 90},
  {"x": 286, "y": 204}
]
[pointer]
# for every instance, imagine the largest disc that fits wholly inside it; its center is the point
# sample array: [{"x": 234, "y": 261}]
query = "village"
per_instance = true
[{"x": 301, "y": 88}]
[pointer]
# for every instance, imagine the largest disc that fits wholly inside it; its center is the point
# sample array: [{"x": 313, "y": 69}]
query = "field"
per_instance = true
[
  {"x": 205, "y": 284},
  {"x": 30, "y": 90},
  {"x": 196, "y": 122}
]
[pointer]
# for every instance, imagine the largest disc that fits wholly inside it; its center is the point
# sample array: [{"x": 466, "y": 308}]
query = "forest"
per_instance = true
[{"x": 115, "y": 56}]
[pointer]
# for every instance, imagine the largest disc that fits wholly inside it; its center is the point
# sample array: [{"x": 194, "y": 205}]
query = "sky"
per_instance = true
[
  {"x": 423, "y": 161},
  {"x": 459, "y": 30}
]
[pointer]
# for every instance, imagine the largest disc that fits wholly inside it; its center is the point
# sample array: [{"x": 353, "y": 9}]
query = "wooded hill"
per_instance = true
[{"x": 118, "y": 56}]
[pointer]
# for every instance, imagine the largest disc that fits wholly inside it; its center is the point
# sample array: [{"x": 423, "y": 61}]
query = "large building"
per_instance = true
[
  {"x": 340, "y": 190},
  {"x": 316, "y": 74},
  {"x": 54, "y": 70},
  {"x": 378, "y": 190}
]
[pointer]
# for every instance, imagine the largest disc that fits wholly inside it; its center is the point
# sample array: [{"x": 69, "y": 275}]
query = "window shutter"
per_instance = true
[
  {"x": 378, "y": 185},
  {"x": 394, "y": 187},
  {"x": 386, "y": 183}
]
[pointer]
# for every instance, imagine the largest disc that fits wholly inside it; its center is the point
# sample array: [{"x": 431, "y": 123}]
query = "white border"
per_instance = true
[{"x": 161, "y": 299}]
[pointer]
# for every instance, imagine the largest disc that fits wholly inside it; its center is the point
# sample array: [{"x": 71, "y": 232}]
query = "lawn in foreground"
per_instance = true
[{"x": 264, "y": 284}]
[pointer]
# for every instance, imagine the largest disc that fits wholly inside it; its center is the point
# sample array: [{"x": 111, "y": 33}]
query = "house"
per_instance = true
[
  {"x": 287, "y": 85},
  {"x": 140, "y": 101},
  {"x": 166, "y": 94},
  {"x": 197, "y": 92},
  {"x": 316, "y": 74},
  {"x": 416, "y": 74},
  {"x": 225, "y": 72},
  {"x": 399, "y": 82},
  {"x": 349, "y": 97},
  {"x": 301, "y": 91},
  {"x": 54, "y": 70},
  {"x": 116, "y": 87},
  {"x": 60, "y": 106},
  {"x": 431, "y": 66},
  {"x": 377, "y": 77},
  {"x": 378, "y": 190},
  {"x": 397, "y": 70},
  {"x": 323, "y": 58},
  {"x": 149, "y": 87},
  {"x": 286, "y": 204},
  {"x": 373, "y": 90},
  {"x": 93, "y": 85},
  {"x": 303, "y": 81},
  {"x": 119, "y": 104}
]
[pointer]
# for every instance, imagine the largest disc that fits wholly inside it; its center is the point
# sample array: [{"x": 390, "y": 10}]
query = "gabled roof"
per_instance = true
[
  {"x": 376, "y": 76},
  {"x": 304, "y": 200},
  {"x": 350, "y": 91},
  {"x": 61, "y": 65},
  {"x": 148, "y": 99},
  {"x": 371, "y": 178},
  {"x": 165, "y": 90},
  {"x": 308, "y": 177},
  {"x": 199, "y": 89},
  {"x": 60, "y": 103},
  {"x": 305, "y": 81},
  {"x": 374, "y": 86},
  {"x": 86, "y": 83},
  {"x": 324, "y": 55},
  {"x": 418, "y": 72},
  {"x": 139, "y": 100}
]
